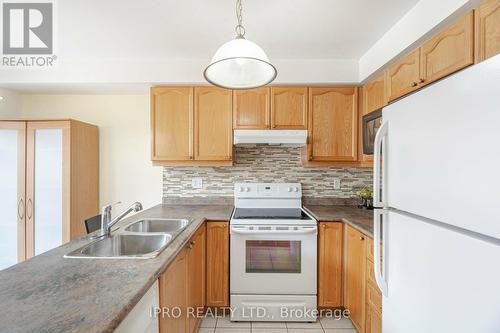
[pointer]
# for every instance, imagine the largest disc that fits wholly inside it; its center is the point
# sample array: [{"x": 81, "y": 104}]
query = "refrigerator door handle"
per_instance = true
[
  {"x": 379, "y": 196},
  {"x": 378, "y": 260}
]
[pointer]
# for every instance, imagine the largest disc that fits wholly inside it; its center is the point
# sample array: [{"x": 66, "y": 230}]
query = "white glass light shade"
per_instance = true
[{"x": 240, "y": 64}]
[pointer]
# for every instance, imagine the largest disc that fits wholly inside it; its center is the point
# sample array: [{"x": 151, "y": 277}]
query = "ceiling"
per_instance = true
[
  {"x": 132, "y": 42},
  {"x": 193, "y": 29}
]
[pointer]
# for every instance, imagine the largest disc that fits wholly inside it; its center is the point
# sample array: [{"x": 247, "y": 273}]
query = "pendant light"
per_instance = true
[{"x": 240, "y": 63}]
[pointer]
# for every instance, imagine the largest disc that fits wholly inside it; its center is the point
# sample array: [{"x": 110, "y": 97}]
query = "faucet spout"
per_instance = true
[{"x": 107, "y": 223}]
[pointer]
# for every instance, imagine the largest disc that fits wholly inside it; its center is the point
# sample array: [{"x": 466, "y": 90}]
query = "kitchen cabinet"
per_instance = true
[
  {"x": 172, "y": 123},
  {"x": 449, "y": 51},
  {"x": 403, "y": 77},
  {"x": 373, "y": 296},
  {"x": 355, "y": 264},
  {"x": 374, "y": 94},
  {"x": 50, "y": 182},
  {"x": 217, "y": 289},
  {"x": 191, "y": 126},
  {"x": 196, "y": 276},
  {"x": 173, "y": 290},
  {"x": 289, "y": 108},
  {"x": 330, "y": 264},
  {"x": 332, "y": 124},
  {"x": 213, "y": 135},
  {"x": 251, "y": 109},
  {"x": 182, "y": 286},
  {"x": 487, "y": 30}
]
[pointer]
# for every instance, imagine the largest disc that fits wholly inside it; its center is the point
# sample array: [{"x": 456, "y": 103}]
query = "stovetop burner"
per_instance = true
[{"x": 270, "y": 214}]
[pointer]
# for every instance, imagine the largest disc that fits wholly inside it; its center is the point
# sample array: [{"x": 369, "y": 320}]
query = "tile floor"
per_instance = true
[{"x": 324, "y": 325}]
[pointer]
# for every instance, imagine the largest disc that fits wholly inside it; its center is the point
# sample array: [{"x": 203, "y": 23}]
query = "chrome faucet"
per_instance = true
[{"x": 107, "y": 223}]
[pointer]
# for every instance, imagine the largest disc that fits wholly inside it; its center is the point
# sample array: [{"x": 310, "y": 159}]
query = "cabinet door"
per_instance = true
[
  {"x": 251, "y": 109},
  {"x": 289, "y": 108},
  {"x": 12, "y": 193},
  {"x": 330, "y": 264},
  {"x": 373, "y": 320},
  {"x": 374, "y": 94},
  {"x": 213, "y": 133},
  {"x": 217, "y": 264},
  {"x": 47, "y": 185},
  {"x": 450, "y": 50},
  {"x": 173, "y": 291},
  {"x": 487, "y": 30},
  {"x": 355, "y": 276},
  {"x": 196, "y": 276},
  {"x": 402, "y": 77},
  {"x": 171, "y": 124},
  {"x": 333, "y": 116}
]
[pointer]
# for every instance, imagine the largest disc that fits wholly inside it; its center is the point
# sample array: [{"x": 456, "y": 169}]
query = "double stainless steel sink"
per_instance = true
[{"x": 141, "y": 239}]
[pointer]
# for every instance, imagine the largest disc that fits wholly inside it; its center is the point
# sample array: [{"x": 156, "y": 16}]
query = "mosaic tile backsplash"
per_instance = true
[{"x": 263, "y": 163}]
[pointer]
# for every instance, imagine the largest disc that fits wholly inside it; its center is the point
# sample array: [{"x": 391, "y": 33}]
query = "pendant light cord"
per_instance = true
[{"x": 240, "y": 30}]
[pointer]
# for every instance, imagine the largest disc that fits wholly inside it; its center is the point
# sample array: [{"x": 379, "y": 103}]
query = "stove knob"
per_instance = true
[
  {"x": 247, "y": 189},
  {"x": 241, "y": 189},
  {"x": 289, "y": 189},
  {"x": 295, "y": 189}
]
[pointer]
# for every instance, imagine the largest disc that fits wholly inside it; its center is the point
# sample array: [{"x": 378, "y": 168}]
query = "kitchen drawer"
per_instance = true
[{"x": 374, "y": 297}]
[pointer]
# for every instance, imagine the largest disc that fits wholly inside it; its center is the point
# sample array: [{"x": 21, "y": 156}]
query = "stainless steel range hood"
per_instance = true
[{"x": 272, "y": 137}]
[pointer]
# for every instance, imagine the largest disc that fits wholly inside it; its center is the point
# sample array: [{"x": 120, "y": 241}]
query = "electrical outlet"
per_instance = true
[
  {"x": 336, "y": 183},
  {"x": 197, "y": 182}
]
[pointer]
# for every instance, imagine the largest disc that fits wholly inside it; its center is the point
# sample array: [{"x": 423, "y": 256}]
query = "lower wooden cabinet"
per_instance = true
[
  {"x": 182, "y": 285},
  {"x": 217, "y": 294},
  {"x": 373, "y": 322},
  {"x": 355, "y": 279},
  {"x": 330, "y": 264}
]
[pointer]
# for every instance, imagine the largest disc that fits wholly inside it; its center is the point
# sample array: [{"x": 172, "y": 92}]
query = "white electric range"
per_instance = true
[{"x": 273, "y": 261}]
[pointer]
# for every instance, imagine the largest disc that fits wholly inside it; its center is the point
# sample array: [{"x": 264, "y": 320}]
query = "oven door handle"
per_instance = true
[{"x": 274, "y": 232}]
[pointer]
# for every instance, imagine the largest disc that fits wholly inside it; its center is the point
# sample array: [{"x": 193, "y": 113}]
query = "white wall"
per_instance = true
[
  {"x": 426, "y": 17},
  {"x": 126, "y": 172},
  {"x": 10, "y": 105}
]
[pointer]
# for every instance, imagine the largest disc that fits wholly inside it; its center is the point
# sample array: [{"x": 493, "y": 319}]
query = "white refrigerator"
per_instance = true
[{"x": 437, "y": 189}]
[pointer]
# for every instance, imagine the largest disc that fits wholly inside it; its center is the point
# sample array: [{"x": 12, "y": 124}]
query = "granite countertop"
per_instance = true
[
  {"x": 360, "y": 219},
  {"x": 49, "y": 293}
]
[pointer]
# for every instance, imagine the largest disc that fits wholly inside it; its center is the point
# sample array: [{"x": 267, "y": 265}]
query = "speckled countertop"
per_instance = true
[
  {"x": 359, "y": 219},
  {"x": 49, "y": 293}
]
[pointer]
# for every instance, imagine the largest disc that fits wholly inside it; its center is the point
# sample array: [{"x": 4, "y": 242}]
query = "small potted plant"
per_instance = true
[{"x": 366, "y": 196}]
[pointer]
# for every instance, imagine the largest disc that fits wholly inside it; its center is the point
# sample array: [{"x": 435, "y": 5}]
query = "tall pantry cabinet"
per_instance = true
[{"x": 49, "y": 185}]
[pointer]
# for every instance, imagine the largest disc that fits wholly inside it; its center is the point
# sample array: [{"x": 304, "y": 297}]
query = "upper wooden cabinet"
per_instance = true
[
  {"x": 172, "y": 124},
  {"x": 355, "y": 256},
  {"x": 289, "y": 107},
  {"x": 333, "y": 123},
  {"x": 251, "y": 109},
  {"x": 403, "y": 76},
  {"x": 213, "y": 135},
  {"x": 374, "y": 95},
  {"x": 487, "y": 30},
  {"x": 330, "y": 264},
  {"x": 447, "y": 52},
  {"x": 217, "y": 289}
]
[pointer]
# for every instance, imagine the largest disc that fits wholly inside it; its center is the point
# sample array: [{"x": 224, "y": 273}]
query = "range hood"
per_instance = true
[{"x": 271, "y": 137}]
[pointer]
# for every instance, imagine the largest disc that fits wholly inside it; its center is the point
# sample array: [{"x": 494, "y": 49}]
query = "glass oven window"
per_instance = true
[{"x": 273, "y": 256}]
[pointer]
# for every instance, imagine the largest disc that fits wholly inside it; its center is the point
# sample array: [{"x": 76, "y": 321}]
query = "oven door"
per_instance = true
[{"x": 273, "y": 259}]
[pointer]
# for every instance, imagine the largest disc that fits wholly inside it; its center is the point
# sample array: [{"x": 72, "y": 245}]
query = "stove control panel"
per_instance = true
[{"x": 267, "y": 190}]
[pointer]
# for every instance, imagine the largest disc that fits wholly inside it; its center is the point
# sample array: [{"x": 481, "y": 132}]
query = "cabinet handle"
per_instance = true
[
  {"x": 20, "y": 206},
  {"x": 324, "y": 226},
  {"x": 224, "y": 226},
  {"x": 193, "y": 242},
  {"x": 190, "y": 247},
  {"x": 421, "y": 81},
  {"x": 361, "y": 238},
  {"x": 190, "y": 157},
  {"x": 414, "y": 84},
  {"x": 29, "y": 209}
]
